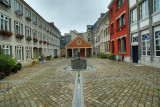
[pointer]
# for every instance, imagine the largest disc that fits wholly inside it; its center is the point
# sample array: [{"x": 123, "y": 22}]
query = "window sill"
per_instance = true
[
  {"x": 132, "y": 24},
  {"x": 156, "y": 13},
  {"x": 141, "y": 20}
]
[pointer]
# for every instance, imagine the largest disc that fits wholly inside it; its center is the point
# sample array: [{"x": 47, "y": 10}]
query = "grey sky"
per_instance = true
[{"x": 70, "y": 14}]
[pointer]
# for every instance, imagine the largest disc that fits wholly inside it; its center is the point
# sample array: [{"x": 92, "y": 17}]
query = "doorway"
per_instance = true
[
  {"x": 135, "y": 54},
  {"x": 82, "y": 52}
]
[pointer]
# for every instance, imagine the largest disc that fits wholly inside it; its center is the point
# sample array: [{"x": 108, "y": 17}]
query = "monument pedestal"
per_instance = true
[{"x": 79, "y": 64}]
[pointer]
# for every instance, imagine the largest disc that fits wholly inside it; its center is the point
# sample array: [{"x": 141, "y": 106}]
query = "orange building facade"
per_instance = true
[
  {"x": 119, "y": 32},
  {"x": 79, "y": 45}
]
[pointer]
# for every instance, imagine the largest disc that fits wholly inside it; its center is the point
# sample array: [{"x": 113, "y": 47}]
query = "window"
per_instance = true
[
  {"x": 44, "y": 26},
  {"x": 34, "y": 34},
  {"x": 157, "y": 43},
  {"x": 5, "y": 22},
  {"x": 78, "y": 41},
  {"x": 27, "y": 13},
  {"x": 135, "y": 39},
  {"x": 18, "y": 28},
  {"x": 44, "y": 37},
  {"x": 121, "y": 22},
  {"x": 146, "y": 45},
  {"x": 40, "y": 36},
  {"x": 19, "y": 52},
  {"x": 144, "y": 12},
  {"x": 122, "y": 45},
  {"x": 6, "y": 49},
  {"x": 119, "y": 4},
  {"x": 134, "y": 15},
  {"x": 18, "y": 8},
  {"x": 47, "y": 39},
  {"x": 28, "y": 31},
  {"x": 34, "y": 18},
  {"x": 112, "y": 29},
  {"x": 39, "y": 23},
  {"x": 6, "y": 2},
  {"x": 156, "y": 5},
  {"x": 28, "y": 53}
]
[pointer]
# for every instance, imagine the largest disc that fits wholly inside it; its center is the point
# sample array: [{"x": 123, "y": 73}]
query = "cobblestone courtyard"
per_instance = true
[{"x": 112, "y": 84}]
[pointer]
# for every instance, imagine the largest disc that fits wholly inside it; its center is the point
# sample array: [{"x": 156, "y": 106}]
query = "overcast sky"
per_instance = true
[{"x": 70, "y": 14}]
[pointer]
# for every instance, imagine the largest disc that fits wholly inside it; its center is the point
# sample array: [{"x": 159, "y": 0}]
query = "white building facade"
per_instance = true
[
  {"x": 102, "y": 37},
  {"x": 145, "y": 31},
  {"x": 32, "y": 34}
]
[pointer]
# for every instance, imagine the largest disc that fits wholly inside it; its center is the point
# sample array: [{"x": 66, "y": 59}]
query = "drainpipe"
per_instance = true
[{"x": 130, "y": 40}]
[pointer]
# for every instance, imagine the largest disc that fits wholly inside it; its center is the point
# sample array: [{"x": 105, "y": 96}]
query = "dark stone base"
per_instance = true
[{"x": 79, "y": 64}]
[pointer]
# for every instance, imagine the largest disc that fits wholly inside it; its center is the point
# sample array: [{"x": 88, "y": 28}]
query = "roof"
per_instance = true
[{"x": 74, "y": 43}]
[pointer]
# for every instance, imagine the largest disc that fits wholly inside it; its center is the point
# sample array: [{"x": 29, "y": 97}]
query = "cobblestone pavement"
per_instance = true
[
  {"x": 121, "y": 84},
  {"x": 39, "y": 85},
  {"x": 113, "y": 84}
]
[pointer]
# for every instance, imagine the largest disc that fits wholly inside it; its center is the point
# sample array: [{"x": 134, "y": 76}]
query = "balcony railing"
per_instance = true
[
  {"x": 18, "y": 12},
  {"x": 120, "y": 28}
]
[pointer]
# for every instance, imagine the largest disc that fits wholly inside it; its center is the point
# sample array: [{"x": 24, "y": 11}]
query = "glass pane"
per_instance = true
[
  {"x": 157, "y": 47},
  {"x": 148, "y": 52},
  {"x": 144, "y": 52},
  {"x": 144, "y": 44},
  {"x": 158, "y": 42},
  {"x": 144, "y": 48},
  {"x": 157, "y": 53}
]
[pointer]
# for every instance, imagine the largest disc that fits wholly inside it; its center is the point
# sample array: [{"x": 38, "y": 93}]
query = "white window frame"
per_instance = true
[
  {"x": 34, "y": 17},
  {"x": 4, "y": 20},
  {"x": 27, "y": 31},
  {"x": 28, "y": 53},
  {"x": 18, "y": 6},
  {"x": 19, "y": 53},
  {"x": 6, "y": 49},
  {"x": 34, "y": 34},
  {"x": 44, "y": 37},
  {"x": 146, "y": 45},
  {"x": 155, "y": 42},
  {"x": 27, "y": 13},
  {"x": 144, "y": 10},
  {"x": 156, "y": 5},
  {"x": 40, "y": 36},
  {"x": 134, "y": 15},
  {"x": 19, "y": 26}
]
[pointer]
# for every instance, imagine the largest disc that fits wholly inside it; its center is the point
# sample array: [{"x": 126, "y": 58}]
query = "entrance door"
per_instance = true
[
  {"x": 135, "y": 54},
  {"x": 82, "y": 52},
  {"x": 69, "y": 52}
]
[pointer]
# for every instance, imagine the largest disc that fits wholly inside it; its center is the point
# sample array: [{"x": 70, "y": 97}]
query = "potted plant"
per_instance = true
[
  {"x": 10, "y": 66},
  {"x": 19, "y": 66},
  {"x": 47, "y": 43},
  {"x": 4, "y": 64},
  {"x": 36, "y": 56},
  {"x": 35, "y": 39},
  {"x": 19, "y": 36},
  {"x": 40, "y": 41},
  {"x": 44, "y": 42},
  {"x": 28, "y": 38},
  {"x": 28, "y": 18},
  {"x": 6, "y": 33}
]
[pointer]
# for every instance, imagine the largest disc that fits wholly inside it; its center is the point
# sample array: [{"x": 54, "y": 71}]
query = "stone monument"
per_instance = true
[{"x": 78, "y": 63}]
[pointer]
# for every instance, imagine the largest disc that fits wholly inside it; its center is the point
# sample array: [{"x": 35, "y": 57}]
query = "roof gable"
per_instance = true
[{"x": 75, "y": 44}]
